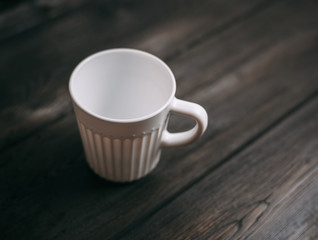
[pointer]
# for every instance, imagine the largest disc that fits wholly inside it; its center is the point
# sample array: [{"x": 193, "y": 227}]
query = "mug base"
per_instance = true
[{"x": 126, "y": 178}]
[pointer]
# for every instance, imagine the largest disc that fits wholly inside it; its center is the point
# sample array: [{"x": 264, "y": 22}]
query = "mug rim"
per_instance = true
[{"x": 82, "y": 63}]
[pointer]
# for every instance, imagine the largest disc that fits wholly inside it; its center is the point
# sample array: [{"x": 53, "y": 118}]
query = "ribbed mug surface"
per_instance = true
[{"x": 121, "y": 159}]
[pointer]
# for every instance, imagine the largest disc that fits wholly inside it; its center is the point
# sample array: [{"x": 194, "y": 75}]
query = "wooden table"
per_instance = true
[{"x": 253, "y": 175}]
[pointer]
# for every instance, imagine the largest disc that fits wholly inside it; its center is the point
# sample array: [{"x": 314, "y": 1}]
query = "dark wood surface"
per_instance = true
[{"x": 253, "y": 65}]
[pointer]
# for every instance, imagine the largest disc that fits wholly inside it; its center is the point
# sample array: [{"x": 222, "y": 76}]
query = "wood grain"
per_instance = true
[
  {"x": 251, "y": 65},
  {"x": 226, "y": 204},
  {"x": 17, "y": 17}
]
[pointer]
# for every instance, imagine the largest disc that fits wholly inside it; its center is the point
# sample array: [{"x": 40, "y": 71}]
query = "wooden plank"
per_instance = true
[
  {"x": 109, "y": 213},
  {"x": 205, "y": 19},
  {"x": 292, "y": 211},
  {"x": 21, "y": 16},
  {"x": 223, "y": 53},
  {"x": 267, "y": 191},
  {"x": 41, "y": 96}
]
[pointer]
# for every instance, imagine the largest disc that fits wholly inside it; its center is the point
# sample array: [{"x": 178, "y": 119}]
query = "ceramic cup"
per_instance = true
[{"x": 122, "y": 99}]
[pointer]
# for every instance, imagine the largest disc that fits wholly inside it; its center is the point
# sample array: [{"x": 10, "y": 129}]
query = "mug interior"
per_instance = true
[{"x": 122, "y": 85}]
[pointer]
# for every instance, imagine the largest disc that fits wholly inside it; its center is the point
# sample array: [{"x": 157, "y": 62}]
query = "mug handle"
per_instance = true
[{"x": 191, "y": 110}]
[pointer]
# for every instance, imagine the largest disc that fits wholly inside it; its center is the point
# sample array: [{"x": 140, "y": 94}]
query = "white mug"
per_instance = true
[{"x": 122, "y": 99}]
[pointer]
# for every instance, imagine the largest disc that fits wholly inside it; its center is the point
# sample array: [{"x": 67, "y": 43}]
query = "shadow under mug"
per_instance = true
[{"x": 122, "y": 99}]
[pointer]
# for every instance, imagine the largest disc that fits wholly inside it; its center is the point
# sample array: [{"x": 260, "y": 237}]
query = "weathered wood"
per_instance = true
[
  {"x": 221, "y": 54},
  {"x": 246, "y": 95},
  {"x": 20, "y": 16},
  {"x": 248, "y": 197}
]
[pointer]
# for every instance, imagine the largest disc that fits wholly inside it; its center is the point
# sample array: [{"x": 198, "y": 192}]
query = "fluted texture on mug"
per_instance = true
[{"x": 121, "y": 159}]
